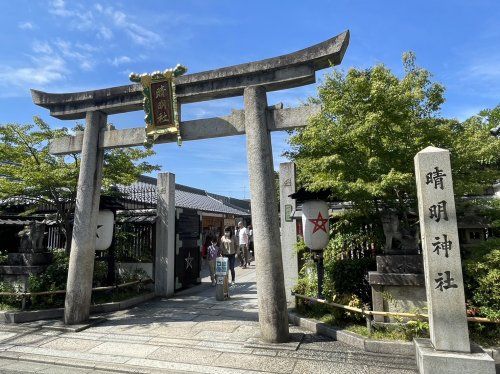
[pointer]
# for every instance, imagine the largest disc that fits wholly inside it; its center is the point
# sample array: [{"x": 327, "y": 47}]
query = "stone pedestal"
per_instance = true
[
  {"x": 18, "y": 276},
  {"x": 431, "y": 361},
  {"x": 30, "y": 259},
  {"x": 400, "y": 276}
]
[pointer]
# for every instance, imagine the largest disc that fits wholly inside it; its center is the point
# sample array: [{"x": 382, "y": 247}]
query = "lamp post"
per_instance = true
[{"x": 315, "y": 228}]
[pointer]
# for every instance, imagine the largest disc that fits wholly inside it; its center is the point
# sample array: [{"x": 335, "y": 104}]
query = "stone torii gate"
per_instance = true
[{"x": 252, "y": 80}]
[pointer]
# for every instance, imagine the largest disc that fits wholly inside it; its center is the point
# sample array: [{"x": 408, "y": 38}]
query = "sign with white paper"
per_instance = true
[{"x": 221, "y": 265}]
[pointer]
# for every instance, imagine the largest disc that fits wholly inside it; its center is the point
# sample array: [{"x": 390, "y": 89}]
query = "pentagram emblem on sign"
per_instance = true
[
  {"x": 319, "y": 223},
  {"x": 189, "y": 261}
]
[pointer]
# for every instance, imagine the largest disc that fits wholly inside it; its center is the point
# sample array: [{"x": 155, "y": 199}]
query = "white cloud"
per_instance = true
[
  {"x": 120, "y": 60},
  {"x": 78, "y": 53},
  {"x": 138, "y": 34},
  {"x": 82, "y": 19},
  {"x": 105, "y": 33},
  {"x": 41, "y": 47},
  {"x": 25, "y": 25},
  {"x": 487, "y": 69},
  {"x": 42, "y": 71}
]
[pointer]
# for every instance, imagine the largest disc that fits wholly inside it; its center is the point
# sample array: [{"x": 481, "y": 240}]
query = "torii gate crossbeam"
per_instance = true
[{"x": 252, "y": 80}]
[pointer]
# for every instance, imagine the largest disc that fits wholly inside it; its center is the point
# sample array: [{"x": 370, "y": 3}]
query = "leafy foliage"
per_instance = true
[
  {"x": 372, "y": 123},
  {"x": 349, "y": 277},
  {"x": 482, "y": 278},
  {"x": 28, "y": 169}
]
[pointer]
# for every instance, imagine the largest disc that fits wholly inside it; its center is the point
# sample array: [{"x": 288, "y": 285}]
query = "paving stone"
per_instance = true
[
  {"x": 125, "y": 338},
  {"x": 177, "y": 367},
  {"x": 190, "y": 333},
  {"x": 69, "y": 354},
  {"x": 124, "y": 349},
  {"x": 222, "y": 336},
  {"x": 65, "y": 370},
  {"x": 171, "y": 332},
  {"x": 77, "y": 345},
  {"x": 317, "y": 367},
  {"x": 7, "y": 361},
  {"x": 6, "y": 335},
  {"x": 31, "y": 339},
  {"x": 264, "y": 352},
  {"x": 263, "y": 363},
  {"x": 218, "y": 326},
  {"x": 4, "y": 347},
  {"x": 179, "y": 342},
  {"x": 185, "y": 355},
  {"x": 25, "y": 367},
  {"x": 235, "y": 347}
]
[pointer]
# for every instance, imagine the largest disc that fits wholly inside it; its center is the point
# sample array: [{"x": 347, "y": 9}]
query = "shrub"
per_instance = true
[
  {"x": 349, "y": 277},
  {"x": 8, "y": 302},
  {"x": 481, "y": 267},
  {"x": 4, "y": 256},
  {"x": 482, "y": 279}
]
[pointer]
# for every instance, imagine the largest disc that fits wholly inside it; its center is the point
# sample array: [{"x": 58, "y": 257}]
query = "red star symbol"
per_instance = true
[{"x": 319, "y": 223}]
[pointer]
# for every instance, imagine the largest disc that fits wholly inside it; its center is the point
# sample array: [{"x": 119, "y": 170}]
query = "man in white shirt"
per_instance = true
[{"x": 243, "y": 245}]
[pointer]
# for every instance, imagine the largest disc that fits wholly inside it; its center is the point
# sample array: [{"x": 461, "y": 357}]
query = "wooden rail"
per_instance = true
[
  {"x": 57, "y": 292},
  {"x": 366, "y": 312}
]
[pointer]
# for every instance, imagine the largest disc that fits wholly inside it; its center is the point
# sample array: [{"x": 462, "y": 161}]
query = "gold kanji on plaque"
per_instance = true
[{"x": 160, "y": 102}]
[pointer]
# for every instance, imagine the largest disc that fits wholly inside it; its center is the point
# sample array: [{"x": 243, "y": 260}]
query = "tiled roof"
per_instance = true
[{"x": 187, "y": 197}]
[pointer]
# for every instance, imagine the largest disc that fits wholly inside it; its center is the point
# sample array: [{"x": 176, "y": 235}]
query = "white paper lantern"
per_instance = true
[
  {"x": 104, "y": 233},
  {"x": 315, "y": 224}
]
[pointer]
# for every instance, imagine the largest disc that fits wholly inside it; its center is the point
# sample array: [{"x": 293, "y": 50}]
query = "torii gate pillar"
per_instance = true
[
  {"x": 273, "y": 316},
  {"x": 81, "y": 261}
]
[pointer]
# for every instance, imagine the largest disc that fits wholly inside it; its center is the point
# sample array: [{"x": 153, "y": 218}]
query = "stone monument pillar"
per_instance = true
[
  {"x": 81, "y": 261},
  {"x": 165, "y": 235},
  {"x": 288, "y": 229},
  {"x": 449, "y": 349},
  {"x": 273, "y": 315}
]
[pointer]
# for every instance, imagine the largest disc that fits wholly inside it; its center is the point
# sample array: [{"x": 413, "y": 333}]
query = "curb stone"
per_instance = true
[
  {"x": 369, "y": 345},
  {"x": 9, "y": 317}
]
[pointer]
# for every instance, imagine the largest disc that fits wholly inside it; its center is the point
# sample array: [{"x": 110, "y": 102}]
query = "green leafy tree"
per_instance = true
[
  {"x": 28, "y": 169},
  {"x": 372, "y": 123}
]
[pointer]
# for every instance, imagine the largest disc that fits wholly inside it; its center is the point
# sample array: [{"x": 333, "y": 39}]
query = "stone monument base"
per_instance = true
[{"x": 430, "y": 361}]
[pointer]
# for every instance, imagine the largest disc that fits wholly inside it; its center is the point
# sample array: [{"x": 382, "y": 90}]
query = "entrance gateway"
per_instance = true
[{"x": 252, "y": 80}]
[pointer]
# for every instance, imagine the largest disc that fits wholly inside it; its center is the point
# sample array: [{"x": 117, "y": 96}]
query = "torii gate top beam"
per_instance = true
[{"x": 277, "y": 73}]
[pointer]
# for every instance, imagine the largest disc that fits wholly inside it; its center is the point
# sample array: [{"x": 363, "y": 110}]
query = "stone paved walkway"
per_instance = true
[{"x": 191, "y": 333}]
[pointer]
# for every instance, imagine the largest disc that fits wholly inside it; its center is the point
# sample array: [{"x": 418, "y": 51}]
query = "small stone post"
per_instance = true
[
  {"x": 450, "y": 348},
  {"x": 273, "y": 315},
  {"x": 81, "y": 261},
  {"x": 288, "y": 229},
  {"x": 165, "y": 235}
]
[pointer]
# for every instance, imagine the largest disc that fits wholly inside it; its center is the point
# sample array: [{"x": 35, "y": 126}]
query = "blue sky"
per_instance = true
[{"x": 64, "y": 46}]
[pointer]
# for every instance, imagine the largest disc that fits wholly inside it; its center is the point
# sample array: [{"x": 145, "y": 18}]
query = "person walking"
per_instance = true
[
  {"x": 250, "y": 243},
  {"x": 228, "y": 247},
  {"x": 213, "y": 251},
  {"x": 243, "y": 245}
]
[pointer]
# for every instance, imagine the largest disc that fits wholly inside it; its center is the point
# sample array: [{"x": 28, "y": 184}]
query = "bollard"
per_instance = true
[{"x": 221, "y": 288}]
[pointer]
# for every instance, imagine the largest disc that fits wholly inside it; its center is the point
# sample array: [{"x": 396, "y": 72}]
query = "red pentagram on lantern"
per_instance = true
[{"x": 319, "y": 223}]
